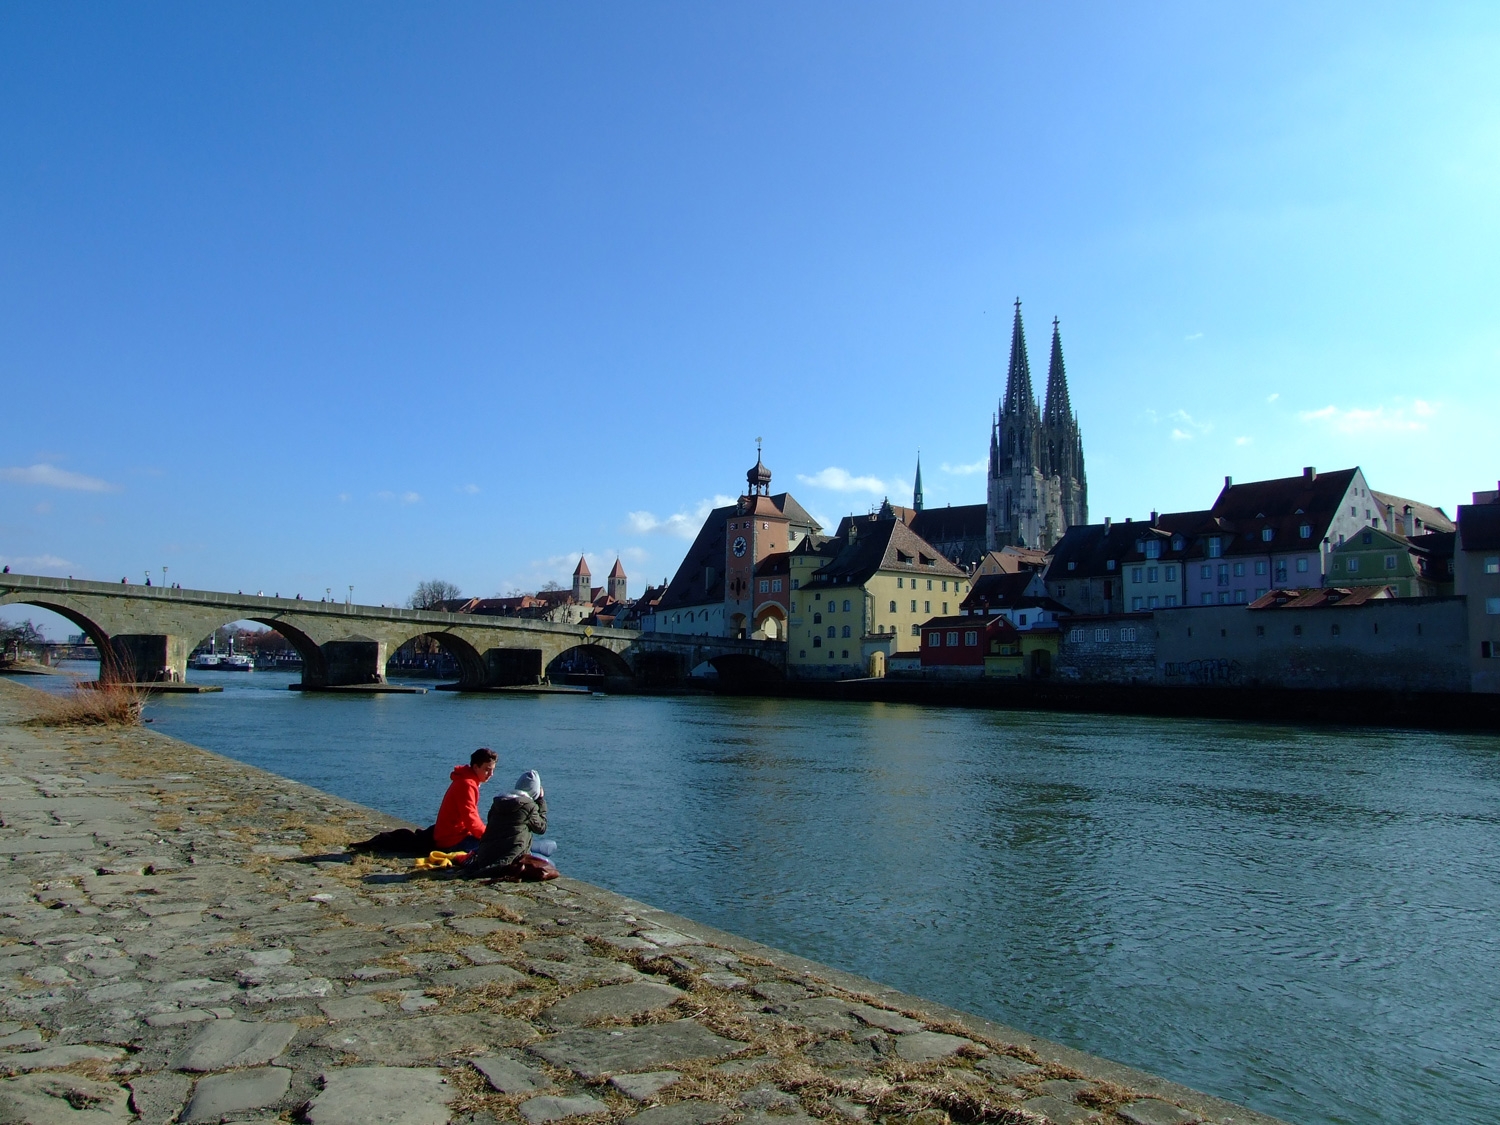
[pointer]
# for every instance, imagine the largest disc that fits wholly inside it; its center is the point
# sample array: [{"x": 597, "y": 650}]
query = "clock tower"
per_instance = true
[{"x": 755, "y": 528}]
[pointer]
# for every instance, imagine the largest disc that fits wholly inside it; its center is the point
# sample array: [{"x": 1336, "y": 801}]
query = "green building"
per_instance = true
[{"x": 1416, "y": 567}]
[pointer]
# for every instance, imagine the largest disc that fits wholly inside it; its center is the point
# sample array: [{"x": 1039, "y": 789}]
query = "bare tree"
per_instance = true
[
  {"x": 552, "y": 584},
  {"x": 433, "y": 593}
]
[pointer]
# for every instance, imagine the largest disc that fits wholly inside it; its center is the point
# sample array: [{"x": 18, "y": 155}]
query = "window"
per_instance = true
[
  {"x": 1171, "y": 575},
  {"x": 1390, "y": 562},
  {"x": 971, "y": 636},
  {"x": 1239, "y": 570},
  {"x": 1071, "y": 564},
  {"x": 846, "y": 630},
  {"x": 846, "y": 605},
  {"x": 1302, "y": 566},
  {"x": 893, "y": 607},
  {"x": 1062, "y": 591},
  {"x": 1075, "y": 637},
  {"x": 916, "y": 630},
  {"x": 1224, "y": 597},
  {"x": 1491, "y": 605},
  {"x": 1260, "y": 591},
  {"x": 1239, "y": 597},
  {"x": 1367, "y": 539},
  {"x": 796, "y": 582},
  {"x": 817, "y": 642},
  {"x": 765, "y": 585},
  {"x": 1334, "y": 630},
  {"x": 845, "y": 654},
  {"x": 899, "y": 581},
  {"x": 1296, "y": 630},
  {"x": 1351, "y": 565},
  {"x": 802, "y": 652},
  {"x": 1208, "y": 599},
  {"x": 818, "y": 596},
  {"x": 934, "y": 640},
  {"x": 1151, "y": 573},
  {"x": 1208, "y": 571},
  {"x": 1266, "y": 535},
  {"x": 1223, "y": 576},
  {"x": 832, "y": 631},
  {"x": 1110, "y": 565},
  {"x": 1215, "y": 546},
  {"x": 914, "y": 605},
  {"x": 1153, "y": 549},
  {"x": 817, "y": 619},
  {"x": 1305, "y": 531},
  {"x": 1153, "y": 602},
  {"x": 775, "y": 585},
  {"x": 1177, "y": 542},
  {"x": 1022, "y": 619},
  {"x": 1101, "y": 635},
  {"x": 1260, "y": 630},
  {"x": 929, "y": 583},
  {"x": 1127, "y": 635},
  {"x": 1260, "y": 566},
  {"x": 1486, "y": 649},
  {"x": 926, "y": 607},
  {"x": 1171, "y": 600},
  {"x": 1353, "y": 511},
  {"x": 1281, "y": 570},
  {"x": 1492, "y": 566},
  {"x": 945, "y": 608},
  {"x": 1136, "y": 603},
  {"x": 1137, "y": 574}
]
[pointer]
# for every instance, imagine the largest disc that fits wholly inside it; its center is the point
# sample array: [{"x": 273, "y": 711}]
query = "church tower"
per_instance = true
[
  {"x": 583, "y": 591},
  {"x": 916, "y": 492},
  {"x": 1036, "y": 484}
]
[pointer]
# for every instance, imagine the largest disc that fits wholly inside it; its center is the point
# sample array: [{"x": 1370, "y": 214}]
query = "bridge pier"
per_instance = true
[
  {"x": 346, "y": 663},
  {"x": 145, "y": 658},
  {"x": 512, "y": 667}
]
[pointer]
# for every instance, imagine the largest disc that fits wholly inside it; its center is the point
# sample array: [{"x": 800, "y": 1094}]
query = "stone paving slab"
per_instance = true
[{"x": 185, "y": 938}]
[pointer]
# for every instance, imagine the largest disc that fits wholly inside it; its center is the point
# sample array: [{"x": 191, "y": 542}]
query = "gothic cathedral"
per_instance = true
[{"x": 1037, "y": 487}]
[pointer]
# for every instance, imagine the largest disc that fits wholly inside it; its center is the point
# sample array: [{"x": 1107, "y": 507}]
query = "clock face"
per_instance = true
[{"x": 739, "y": 546}]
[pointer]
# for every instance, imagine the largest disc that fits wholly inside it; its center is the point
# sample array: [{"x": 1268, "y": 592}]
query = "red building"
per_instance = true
[{"x": 949, "y": 642}]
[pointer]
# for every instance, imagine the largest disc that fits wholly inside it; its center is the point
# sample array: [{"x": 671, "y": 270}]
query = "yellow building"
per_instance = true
[{"x": 865, "y": 591}]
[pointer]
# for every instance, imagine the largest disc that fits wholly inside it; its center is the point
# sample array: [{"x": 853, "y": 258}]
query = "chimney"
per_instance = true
[
  {"x": 1107, "y": 522},
  {"x": 1408, "y": 524},
  {"x": 1153, "y": 517},
  {"x": 1127, "y": 519},
  {"x": 1309, "y": 474},
  {"x": 1228, "y": 481}
]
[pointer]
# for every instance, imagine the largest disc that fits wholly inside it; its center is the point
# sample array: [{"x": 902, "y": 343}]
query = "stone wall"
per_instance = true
[
  {"x": 1118, "y": 649},
  {"x": 1403, "y": 644}
]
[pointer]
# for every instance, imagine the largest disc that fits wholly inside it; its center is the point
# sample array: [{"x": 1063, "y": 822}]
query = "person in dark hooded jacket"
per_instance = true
[{"x": 514, "y": 816}]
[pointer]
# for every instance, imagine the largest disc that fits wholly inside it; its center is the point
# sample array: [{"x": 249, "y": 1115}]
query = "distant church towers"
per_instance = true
[
  {"x": 1037, "y": 487},
  {"x": 916, "y": 492}
]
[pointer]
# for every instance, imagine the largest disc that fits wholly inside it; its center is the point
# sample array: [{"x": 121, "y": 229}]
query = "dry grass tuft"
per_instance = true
[{"x": 108, "y": 705}]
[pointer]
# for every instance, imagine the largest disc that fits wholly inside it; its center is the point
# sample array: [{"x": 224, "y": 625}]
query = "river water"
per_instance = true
[{"x": 1303, "y": 920}]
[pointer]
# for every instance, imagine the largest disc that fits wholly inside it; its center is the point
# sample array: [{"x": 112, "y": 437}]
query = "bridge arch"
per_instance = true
[
  {"x": 110, "y": 667},
  {"x": 610, "y": 664},
  {"x": 738, "y": 669},
  {"x": 473, "y": 673},
  {"x": 314, "y": 667}
]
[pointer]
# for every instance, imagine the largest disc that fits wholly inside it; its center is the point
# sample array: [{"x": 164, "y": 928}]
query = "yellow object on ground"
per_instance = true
[{"x": 437, "y": 860}]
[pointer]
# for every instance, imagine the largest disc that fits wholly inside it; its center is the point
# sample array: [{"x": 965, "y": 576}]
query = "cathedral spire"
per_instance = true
[
  {"x": 1058, "y": 411},
  {"x": 916, "y": 494},
  {"x": 1019, "y": 398}
]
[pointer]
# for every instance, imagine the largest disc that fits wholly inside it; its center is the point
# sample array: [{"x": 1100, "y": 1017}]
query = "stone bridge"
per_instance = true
[{"x": 145, "y": 634}]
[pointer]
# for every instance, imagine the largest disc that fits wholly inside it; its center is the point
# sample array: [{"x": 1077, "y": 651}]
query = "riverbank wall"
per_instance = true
[{"x": 183, "y": 937}]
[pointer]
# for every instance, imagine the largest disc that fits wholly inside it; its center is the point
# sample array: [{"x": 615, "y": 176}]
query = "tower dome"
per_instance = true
[{"x": 759, "y": 477}]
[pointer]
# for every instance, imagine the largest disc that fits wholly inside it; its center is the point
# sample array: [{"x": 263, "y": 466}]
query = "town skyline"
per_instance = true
[{"x": 307, "y": 343}]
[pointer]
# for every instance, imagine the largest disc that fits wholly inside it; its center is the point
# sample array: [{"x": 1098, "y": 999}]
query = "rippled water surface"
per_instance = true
[{"x": 1302, "y": 920}]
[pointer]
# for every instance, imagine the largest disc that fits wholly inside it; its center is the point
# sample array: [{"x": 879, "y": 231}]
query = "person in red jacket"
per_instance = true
[{"x": 458, "y": 826}]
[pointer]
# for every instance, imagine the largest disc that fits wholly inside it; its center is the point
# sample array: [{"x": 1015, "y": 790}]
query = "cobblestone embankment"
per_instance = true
[{"x": 183, "y": 938}]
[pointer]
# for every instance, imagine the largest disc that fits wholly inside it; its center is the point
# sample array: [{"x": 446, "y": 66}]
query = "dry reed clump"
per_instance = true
[{"x": 108, "y": 705}]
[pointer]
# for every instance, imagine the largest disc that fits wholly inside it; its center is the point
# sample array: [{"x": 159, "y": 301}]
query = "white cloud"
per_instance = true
[
  {"x": 24, "y": 564},
  {"x": 471, "y": 489},
  {"x": 965, "y": 470},
  {"x": 1181, "y": 435},
  {"x": 1243, "y": 440},
  {"x": 840, "y": 480},
  {"x": 684, "y": 525},
  {"x": 403, "y": 497},
  {"x": 1398, "y": 416},
  {"x": 343, "y": 498},
  {"x": 49, "y": 476},
  {"x": 1273, "y": 396},
  {"x": 1194, "y": 336}
]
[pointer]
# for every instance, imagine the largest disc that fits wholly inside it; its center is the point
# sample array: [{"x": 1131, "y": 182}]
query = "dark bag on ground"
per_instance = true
[
  {"x": 527, "y": 869},
  {"x": 399, "y": 841}
]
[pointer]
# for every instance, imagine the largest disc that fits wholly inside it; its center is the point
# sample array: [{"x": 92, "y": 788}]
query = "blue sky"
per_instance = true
[{"x": 297, "y": 297}]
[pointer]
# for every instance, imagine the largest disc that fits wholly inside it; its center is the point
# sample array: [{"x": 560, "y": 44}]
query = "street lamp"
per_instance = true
[
  {"x": 328, "y": 593},
  {"x": 351, "y": 596},
  {"x": 163, "y": 576}
]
